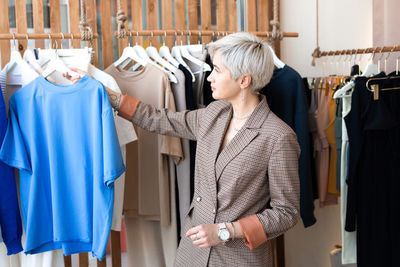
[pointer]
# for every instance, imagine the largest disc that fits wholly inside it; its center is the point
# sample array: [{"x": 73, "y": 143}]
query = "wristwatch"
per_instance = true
[{"x": 223, "y": 232}]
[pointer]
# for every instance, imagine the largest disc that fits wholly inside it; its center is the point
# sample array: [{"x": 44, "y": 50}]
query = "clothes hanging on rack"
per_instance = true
[
  {"x": 374, "y": 128},
  {"x": 10, "y": 220},
  {"x": 148, "y": 200},
  {"x": 287, "y": 99},
  {"x": 338, "y": 140},
  {"x": 44, "y": 142}
]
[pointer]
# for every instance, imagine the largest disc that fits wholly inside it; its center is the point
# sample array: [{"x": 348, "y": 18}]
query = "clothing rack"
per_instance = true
[
  {"x": 199, "y": 33},
  {"x": 378, "y": 49},
  {"x": 38, "y": 36}
]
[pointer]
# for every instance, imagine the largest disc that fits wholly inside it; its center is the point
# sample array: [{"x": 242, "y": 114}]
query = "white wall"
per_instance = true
[{"x": 343, "y": 24}]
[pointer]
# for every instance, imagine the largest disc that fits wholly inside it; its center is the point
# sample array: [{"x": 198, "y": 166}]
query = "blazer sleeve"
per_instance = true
[
  {"x": 184, "y": 124},
  {"x": 284, "y": 188}
]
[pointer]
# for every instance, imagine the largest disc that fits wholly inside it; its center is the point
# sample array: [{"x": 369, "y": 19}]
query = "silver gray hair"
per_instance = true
[{"x": 245, "y": 54}]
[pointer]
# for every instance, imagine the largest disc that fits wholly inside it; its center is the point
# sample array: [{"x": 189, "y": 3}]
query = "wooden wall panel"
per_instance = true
[
  {"x": 83, "y": 259},
  {"x": 91, "y": 14},
  {"x": 55, "y": 20},
  {"x": 20, "y": 17},
  {"x": 107, "y": 34},
  {"x": 221, "y": 16},
  {"x": 179, "y": 18},
  {"x": 232, "y": 15},
  {"x": 263, "y": 17},
  {"x": 193, "y": 19},
  {"x": 251, "y": 20},
  {"x": 152, "y": 18},
  {"x": 38, "y": 20},
  {"x": 205, "y": 10},
  {"x": 67, "y": 261},
  {"x": 74, "y": 19},
  {"x": 137, "y": 19},
  {"x": 167, "y": 20},
  {"x": 122, "y": 43},
  {"x": 4, "y": 28},
  {"x": 116, "y": 248}
]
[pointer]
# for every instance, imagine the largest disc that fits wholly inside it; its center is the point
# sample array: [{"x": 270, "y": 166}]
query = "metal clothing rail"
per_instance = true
[
  {"x": 37, "y": 36},
  {"x": 199, "y": 33},
  {"x": 378, "y": 49}
]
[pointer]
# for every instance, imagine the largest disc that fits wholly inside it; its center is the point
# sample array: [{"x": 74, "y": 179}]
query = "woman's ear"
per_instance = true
[{"x": 245, "y": 81}]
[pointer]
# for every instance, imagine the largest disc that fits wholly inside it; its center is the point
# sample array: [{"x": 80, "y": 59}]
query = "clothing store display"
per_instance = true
[
  {"x": 10, "y": 220},
  {"x": 149, "y": 179},
  {"x": 268, "y": 140},
  {"x": 373, "y": 128},
  {"x": 33, "y": 143},
  {"x": 321, "y": 145},
  {"x": 287, "y": 99},
  {"x": 151, "y": 173}
]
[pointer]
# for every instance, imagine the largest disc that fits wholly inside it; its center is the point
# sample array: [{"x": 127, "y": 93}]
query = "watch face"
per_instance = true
[{"x": 224, "y": 234}]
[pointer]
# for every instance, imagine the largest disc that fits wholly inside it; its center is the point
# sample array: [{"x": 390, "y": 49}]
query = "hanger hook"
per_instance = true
[
  {"x": 72, "y": 40},
  {"x": 190, "y": 36},
  {"x": 51, "y": 44},
  {"x": 213, "y": 36},
  {"x": 130, "y": 43},
  {"x": 181, "y": 38},
  {"x": 165, "y": 37},
  {"x": 14, "y": 42},
  {"x": 217, "y": 35},
  {"x": 200, "y": 38},
  {"x": 176, "y": 38},
  {"x": 151, "y": 40},
  {"x": 62, "y": 35}
]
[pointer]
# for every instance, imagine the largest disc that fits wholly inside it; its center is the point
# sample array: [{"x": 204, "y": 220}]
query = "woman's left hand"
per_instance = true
[{"x": 204, "y": 235}]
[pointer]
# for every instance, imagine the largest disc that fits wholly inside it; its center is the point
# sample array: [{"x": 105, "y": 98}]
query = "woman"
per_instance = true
[{"x": 246, "y": 174}]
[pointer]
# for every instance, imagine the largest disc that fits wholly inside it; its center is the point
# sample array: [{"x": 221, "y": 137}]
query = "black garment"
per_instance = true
[
  {"x": 314, "y": 180},
  {"x": 207, "y": 93},
  {"x": 338, "y": 137},
  {"x": 287, "y": 99},
  {"x": 190, "y": 105},
  {"x": 374, "y": 171}
]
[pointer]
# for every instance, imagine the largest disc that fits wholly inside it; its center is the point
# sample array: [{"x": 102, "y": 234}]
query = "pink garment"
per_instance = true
[{"x": 320, "y": 113}]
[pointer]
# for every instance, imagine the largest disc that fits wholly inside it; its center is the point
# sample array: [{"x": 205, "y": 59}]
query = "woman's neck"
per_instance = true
[{"x": 242, "y": 109}]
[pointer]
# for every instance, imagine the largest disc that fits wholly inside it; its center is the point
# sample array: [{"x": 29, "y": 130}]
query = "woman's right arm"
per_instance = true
[{"x": 183, "y": 124}]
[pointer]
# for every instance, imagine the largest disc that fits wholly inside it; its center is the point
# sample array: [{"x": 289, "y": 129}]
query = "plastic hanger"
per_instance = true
[
  {"x": 142, "y": 53},
  {"x": 16, "y": 59},
  {"x": 370, "y": 69},
  {"x": 176, "y": 53},
  {"x": 197, "y": 47},
  {"x": 127, "y": 56},
  {"x": 277, "y": 62},
  {"x": 153, "y": 54},
  {"x": 55, "y": 64},
  {"x": 188, "y": 56},
  {"x": 164, "y": 53}
]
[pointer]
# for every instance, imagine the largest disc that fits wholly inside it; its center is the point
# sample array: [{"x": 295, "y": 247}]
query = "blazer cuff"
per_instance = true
[
  {"x": 253, "y": 230},
  {"x": 128, "y": 107}
]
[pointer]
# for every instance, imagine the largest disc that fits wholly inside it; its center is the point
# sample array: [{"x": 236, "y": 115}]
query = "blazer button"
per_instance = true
[
  {"x": 213, "y": 211},
  {"x": 198, "y": 199}
]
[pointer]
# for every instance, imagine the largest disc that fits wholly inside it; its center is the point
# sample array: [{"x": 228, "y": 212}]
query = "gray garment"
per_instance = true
[
  {"x": 338, "y": 136},
  {"x": 183, "y": 168},
  {"x": 199, "y": 74}
]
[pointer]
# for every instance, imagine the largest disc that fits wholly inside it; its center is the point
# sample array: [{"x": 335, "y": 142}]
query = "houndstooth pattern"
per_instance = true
[{"x": 258, "y": 165}]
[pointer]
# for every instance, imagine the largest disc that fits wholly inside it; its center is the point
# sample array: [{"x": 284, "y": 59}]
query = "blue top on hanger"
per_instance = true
[
  {"x": 10, "y": 219},
  {"x": 63, "y": 140}
]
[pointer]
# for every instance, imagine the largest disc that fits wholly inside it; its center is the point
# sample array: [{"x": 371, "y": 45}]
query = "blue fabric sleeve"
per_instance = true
[
  {"x": 10, "y": 220},
  {"x": 13, "y": 150}
]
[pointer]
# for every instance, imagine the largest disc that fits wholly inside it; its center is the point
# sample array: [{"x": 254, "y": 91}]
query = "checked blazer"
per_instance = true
[{"x": 255, "y": 174}]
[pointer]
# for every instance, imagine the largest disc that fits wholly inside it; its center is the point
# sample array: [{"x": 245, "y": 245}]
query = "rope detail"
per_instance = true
[
  {"x": 85, "y": 29},
  {"x": 276, "y": 32},
  {"x": 121, "y": 18},
  {"x": 317, "y": 51}
]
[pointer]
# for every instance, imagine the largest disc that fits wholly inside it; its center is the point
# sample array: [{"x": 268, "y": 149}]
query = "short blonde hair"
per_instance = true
[{"x": 245, "y": 54}]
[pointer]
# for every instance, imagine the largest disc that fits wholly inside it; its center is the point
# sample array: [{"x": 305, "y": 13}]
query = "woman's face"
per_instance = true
[{"x": 223, "y": 86}]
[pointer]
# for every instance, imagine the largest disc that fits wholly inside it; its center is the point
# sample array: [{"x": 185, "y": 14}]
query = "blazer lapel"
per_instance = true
[
  {"x": 243, "y": 138},
  {"x": 222, "y": 124}
]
